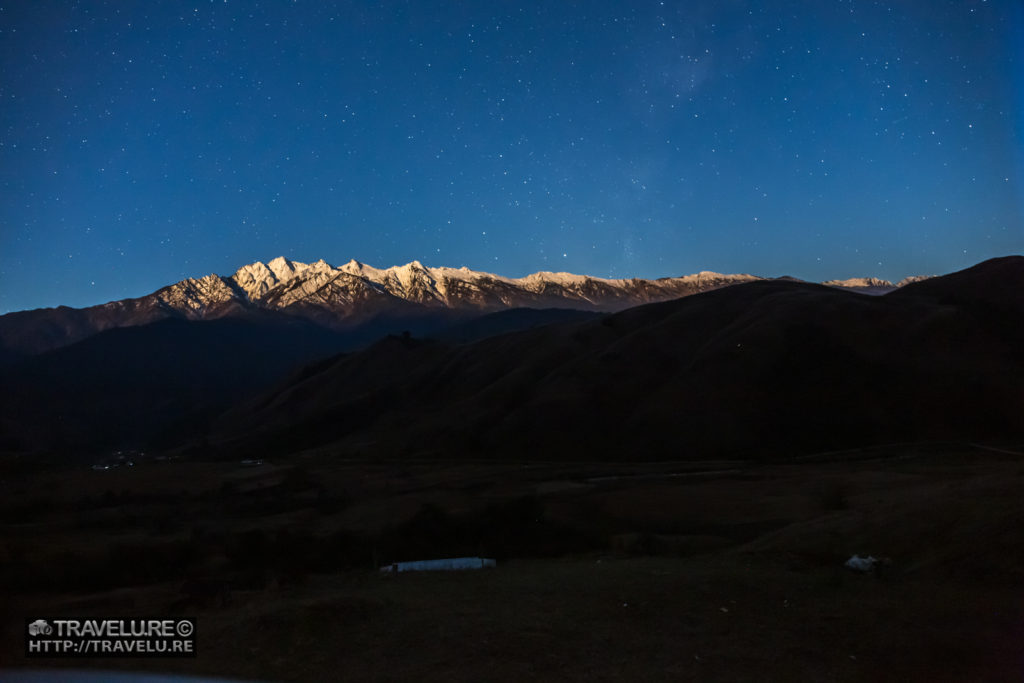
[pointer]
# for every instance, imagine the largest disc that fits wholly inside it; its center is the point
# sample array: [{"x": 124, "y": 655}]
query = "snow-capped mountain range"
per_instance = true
[
  {"x": 355, "y": 289},
  {"x": 346, "y": 296}
]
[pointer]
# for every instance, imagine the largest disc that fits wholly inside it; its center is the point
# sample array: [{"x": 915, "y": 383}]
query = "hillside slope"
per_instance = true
[{"x": 760, "y": 369}]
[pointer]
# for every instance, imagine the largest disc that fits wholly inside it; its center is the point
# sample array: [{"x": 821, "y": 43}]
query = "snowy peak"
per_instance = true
[
  {"x": 255, "y": 279},
  {"x": 258, "y": 279},
  {"x": 282, "y": 268},
  {"x": 196, "y": 298}
]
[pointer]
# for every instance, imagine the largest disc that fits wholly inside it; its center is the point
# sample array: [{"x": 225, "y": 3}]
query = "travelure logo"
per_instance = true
[{"x": 110, "y": 637}]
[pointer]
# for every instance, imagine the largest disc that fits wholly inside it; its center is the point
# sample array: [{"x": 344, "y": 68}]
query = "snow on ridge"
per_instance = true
[
  {"x": 416, "y": 282},
  {"x": 405, "y": 274},
  {"x": 859, "y": 282},
  {"x": 283, "y": 269},
  {"x": 363, "y": 289},
  {"x": 563, "y": 278},
  {"x": 257, "y": 279},
  {"x": 195, "y": 295},
  {"x": 464, "y": 273},
  {"x": 711, "y": 274},
  {"x": 362, "y": 270},
  {"x": 913, "y": 278}
]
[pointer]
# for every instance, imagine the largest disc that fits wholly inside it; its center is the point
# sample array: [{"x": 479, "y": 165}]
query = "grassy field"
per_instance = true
[{"x": 675, "y": 571}]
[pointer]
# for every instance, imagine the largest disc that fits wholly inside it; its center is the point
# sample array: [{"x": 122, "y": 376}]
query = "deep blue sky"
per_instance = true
[{"x": 143, "y": 142}]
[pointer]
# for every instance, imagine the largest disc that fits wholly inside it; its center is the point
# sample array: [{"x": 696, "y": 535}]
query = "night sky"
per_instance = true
[{"x": 144, "y": 142}]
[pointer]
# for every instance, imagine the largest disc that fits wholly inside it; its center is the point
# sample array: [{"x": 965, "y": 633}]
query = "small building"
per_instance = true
[{"x": 445, "y": 565}]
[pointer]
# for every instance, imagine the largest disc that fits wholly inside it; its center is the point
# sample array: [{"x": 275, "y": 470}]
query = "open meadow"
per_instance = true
[{"x": 711, "y": 571}]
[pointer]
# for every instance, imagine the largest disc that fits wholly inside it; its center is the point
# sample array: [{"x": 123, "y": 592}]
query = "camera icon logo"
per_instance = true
[{"x": 39, "y": 627}]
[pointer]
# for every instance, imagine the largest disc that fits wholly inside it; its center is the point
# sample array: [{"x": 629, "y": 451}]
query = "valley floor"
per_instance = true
[{"x": 676, "y": 571}]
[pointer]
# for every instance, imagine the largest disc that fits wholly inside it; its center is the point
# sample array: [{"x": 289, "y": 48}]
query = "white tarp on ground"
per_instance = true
[
  {"x": 445, "y": 565},
  {"x": 861, "y": 564}
]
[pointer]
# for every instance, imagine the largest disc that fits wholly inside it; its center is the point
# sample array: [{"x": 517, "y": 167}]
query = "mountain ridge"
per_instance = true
[
  {"x": 760, "y": 368},
  {"x": 772, "y": 368},
  {"x": 343, "y": 297}
]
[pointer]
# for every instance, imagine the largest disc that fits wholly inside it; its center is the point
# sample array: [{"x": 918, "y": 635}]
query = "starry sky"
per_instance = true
[{"x": 144, "y": 142}]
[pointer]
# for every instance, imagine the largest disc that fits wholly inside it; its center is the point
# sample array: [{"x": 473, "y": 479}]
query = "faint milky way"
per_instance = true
[{"x": 145, "y": 142}]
